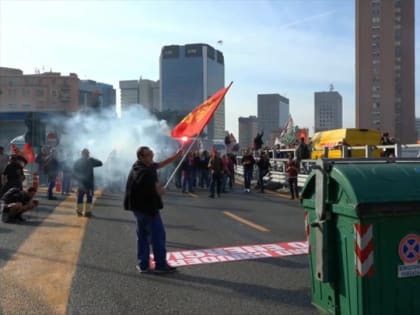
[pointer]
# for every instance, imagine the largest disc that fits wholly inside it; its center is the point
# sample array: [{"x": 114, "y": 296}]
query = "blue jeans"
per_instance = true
[
  {"x": 204, "y": 178},
  {"x": 51, "y": 185},
  {"x": 248, "y": 178},
  {"x": 150, "y": 230},
  {"x": 81, "y": 193},
  {"x": 187, "y": 182},
  {"x": 261, "y": 174},
  {"x": 66, "y": 183},
  {"x": 216, "y": 182}
]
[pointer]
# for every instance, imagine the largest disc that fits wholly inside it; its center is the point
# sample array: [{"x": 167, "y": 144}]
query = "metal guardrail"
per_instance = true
[{"x": 278, "y": 175}]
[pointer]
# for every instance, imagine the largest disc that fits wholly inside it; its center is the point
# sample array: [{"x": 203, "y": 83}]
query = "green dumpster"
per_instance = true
[{"x": 363, "y": 228}]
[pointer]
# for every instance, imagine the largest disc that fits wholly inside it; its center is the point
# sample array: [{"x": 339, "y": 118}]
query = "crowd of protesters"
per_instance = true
[
  {"x": 49, "y": 168},
  {"x": 206, "y": 170},
  {"x": 200, "y": 169}
]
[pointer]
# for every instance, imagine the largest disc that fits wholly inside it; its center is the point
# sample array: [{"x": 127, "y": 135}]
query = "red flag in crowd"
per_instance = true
[
  {"x": 26, "y": 152},
  {"x": 303, "y": 133},
  {"x": 194, "y": 122}
]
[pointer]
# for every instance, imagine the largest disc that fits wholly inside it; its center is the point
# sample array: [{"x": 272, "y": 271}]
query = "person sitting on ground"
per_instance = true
[
  {"x": 4, "y": 160},
  {"x": 15, "y": 202}
]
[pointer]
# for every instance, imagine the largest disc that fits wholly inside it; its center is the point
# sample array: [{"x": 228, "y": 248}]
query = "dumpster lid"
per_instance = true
[{"x": 372, "y": 185}]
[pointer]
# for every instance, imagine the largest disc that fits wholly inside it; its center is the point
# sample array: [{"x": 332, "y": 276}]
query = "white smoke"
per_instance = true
[{"x": 114, "y": 140}]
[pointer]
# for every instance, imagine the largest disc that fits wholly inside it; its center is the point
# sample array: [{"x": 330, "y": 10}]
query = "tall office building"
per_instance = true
[
  {"x": 248, "y": 129},
  {"x": 385, "y": 67},
  {"x": 149, "y": 94},
  {"x": 417, "y": 129},
  {"x": 96, "y": 95},
  {"x": 129, "y": 92},
  {"x": 189, "y": 75},
  {"x": 328, "y": 110},
  {"x": 273, "y": 112},
  {"x": 144, "y": 92}
]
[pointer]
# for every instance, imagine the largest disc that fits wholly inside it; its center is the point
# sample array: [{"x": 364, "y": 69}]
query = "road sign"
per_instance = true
[
  {"x": 409, "y": 249},
  {"x": 52, "y": 139}
]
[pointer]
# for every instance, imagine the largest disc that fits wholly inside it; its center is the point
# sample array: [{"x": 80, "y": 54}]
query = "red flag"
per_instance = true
[
  {"x": 28, "y": 153},
  {"x": 303, "y": 133},
  {"x": 194, "y": 122}
]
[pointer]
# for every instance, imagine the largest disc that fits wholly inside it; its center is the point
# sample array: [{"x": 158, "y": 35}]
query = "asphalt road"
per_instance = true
[{"x": 87, "y": 266}]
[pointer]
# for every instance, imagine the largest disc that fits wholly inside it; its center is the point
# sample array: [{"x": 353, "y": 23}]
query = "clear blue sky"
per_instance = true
[{"x": 291, "y": 47}]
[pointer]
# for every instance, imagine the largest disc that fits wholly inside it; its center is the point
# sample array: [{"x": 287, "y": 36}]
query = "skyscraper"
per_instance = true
[
  {"x": 95, "y": 95},
  {"x": 417, "y": 128},
  {"x": 328, "y": 110},
  {"x": 248, "y": 129},
  {"x": 189, "y": 75},
  {"x": 129, "y": 92},
  {"x": 385, "y": 67},
  {"x": 273, "y": 112},
  {"x": 144, "y": 92}
]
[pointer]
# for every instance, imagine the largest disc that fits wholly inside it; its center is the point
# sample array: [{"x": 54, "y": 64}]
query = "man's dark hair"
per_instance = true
[{"x": 140, "y": 151}]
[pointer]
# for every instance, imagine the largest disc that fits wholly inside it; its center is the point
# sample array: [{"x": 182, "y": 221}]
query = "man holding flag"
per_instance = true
[
  {"x": 143, "y": 191},
  {"x": 143, "y": 197}
]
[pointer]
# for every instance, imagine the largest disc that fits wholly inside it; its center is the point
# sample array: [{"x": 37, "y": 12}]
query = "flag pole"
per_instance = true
[
  {"x": 195, "y": 139},
  {"x": 180, "y": 162}
]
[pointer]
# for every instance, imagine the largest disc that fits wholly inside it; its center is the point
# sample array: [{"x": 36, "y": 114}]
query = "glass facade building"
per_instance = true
[
  {"x": 328, "y": 110},
  {"x": 189, "y": 75},
  {"x": 273, "y": 113}
]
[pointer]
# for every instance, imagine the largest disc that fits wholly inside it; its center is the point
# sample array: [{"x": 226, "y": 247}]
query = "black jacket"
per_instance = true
[
  {"x": 83, "y": 172},
  {"x": 140, "y": 192}
]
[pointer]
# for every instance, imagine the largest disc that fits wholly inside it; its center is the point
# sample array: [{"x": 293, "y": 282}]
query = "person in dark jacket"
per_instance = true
[
  {"x": 14, "y": 173},
  {"x": 248, "y": 162},
  {"x": 51, "y": 169},
  {"x": 263, "y": 168},
  {"x": 83, "y": 173},
  {"x": 143, "y": 197},
  {"x": 216, "y": 168}
]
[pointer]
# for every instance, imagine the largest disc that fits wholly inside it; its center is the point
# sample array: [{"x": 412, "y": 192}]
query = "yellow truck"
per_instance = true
[{"x": 335, "y": 139}]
